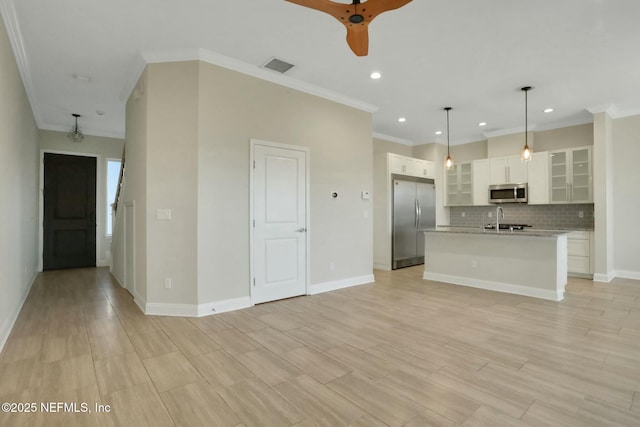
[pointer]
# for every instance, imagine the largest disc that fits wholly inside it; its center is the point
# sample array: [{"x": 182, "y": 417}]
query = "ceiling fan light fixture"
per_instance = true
[
  {"x": 355, "y": 16},
  {"x": 527, "y": 152},
  {"x": 75, "y": 134}
]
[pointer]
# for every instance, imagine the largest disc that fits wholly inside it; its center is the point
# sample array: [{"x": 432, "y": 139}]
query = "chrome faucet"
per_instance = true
[{"x": 499, "y": 211}]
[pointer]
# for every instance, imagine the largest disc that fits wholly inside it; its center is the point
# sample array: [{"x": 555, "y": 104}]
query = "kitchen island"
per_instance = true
[{"x": 529, "y": 262}]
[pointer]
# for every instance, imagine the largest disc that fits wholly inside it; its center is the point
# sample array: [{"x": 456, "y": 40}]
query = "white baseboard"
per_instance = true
[
  {"x": 604, "y": 278},
  {"x": 319, "y": 288},
  {"x": 223, "y": 306},
  {"x": 103, "y": 263},
  {"x": 194, "y": 310},
  {"x": 496, "y": 286},
  {"x": 381, "y": 266},
  {"x": 8, "y": 325},
  {"x": 625, "y": 274},
  {"x": 163, "y": 309}
]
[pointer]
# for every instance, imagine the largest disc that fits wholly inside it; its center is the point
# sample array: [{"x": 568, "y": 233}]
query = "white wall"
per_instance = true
[
  {"x": 18, "y": 190},
  {"x": 603, "y": 192},
  {"x": 626, "y": 197},
  {"x": 235, "y": 108},
  {"x": 135, "y": 192},
  {"x": 103, "y": 149},
  {"x": 189, "y": 125},
  {"x": 172, "y": 182},
  {"x": 567, "y": 137},
  {"x": 382, "y": 146}
]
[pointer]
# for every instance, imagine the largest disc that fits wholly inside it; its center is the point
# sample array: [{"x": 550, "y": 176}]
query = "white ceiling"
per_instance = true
[{"x": 580, "y": 55}]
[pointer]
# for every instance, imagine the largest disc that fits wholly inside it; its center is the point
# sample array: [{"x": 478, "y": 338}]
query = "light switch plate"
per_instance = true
[
  {"x": 163, "y": 214},
  {"x": 365, "y": 195}
]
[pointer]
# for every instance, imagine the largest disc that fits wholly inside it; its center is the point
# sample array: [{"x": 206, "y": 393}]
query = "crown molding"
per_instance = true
[
  {"x": 12, "y": 25},
  {"x": 390, "y": 138},
  {"x": 195, "y": 54},
  {"x": 503, "y": 132},
  {"x": 604, "y": 108},
  {"x": 614, "y": 112},
  {"x": 86, "y": 131},
  {"x": 565, "y": 124}
]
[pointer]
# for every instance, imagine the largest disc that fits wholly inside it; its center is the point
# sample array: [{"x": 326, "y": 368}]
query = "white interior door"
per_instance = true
[{"x": 279, "y": 228}]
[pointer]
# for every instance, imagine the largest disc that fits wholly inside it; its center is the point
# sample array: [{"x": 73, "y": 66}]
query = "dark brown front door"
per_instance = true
[{"x": 69, "y": 211}]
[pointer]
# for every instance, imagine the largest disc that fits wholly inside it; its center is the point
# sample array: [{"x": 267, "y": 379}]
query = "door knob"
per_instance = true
[{"x": 301, "y": 230}]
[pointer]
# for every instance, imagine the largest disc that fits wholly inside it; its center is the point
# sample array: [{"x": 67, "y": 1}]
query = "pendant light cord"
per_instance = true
[
  {"x": 447, "y": 109},
  {"x": 526, "y": 118}
]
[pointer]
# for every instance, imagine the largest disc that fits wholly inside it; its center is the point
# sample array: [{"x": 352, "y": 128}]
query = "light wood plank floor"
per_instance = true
[{"x": 400, "y": 352}]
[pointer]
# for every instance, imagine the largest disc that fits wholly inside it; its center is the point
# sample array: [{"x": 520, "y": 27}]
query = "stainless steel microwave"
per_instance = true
[{"x": 509, "y": 193}]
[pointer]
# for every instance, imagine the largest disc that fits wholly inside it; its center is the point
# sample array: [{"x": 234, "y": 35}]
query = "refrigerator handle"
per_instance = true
[
  {"x": 415, "y": 222},
  {"x": 419, "y": 213}
]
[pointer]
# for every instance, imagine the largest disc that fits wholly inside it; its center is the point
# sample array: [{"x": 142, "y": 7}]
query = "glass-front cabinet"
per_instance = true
[
  {"x": 571, "y": 176},
  {"x": 460, "y": 185}
]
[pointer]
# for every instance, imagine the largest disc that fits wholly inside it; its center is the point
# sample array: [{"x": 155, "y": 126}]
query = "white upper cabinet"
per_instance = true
[
  {"x": 507, "y": 170},
  {"x": 410, "y": 166},
  {"x": 459, "y": 184},
  {"x": 539, "y": 178},
  {"x": 401, "y": 165},
  {"x": 571, "y": 179},
  {"x": 481, "y": 182}
]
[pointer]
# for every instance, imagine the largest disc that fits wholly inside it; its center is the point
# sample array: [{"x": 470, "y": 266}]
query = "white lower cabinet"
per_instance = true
[{"x": 579, "y": 249}]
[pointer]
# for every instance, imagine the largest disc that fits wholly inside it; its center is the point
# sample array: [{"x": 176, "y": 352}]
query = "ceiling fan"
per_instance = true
[{"x": 356, "y": 17}]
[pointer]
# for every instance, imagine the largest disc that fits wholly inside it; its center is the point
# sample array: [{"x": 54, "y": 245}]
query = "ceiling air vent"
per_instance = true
[{"x": 278, "y": 65}]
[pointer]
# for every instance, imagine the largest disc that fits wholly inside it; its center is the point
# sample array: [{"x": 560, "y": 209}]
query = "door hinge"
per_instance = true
[
  {"x": 254, "y": 281},
  {"x": 254, "y": 164},
  {"x": 254, "y": 223}
]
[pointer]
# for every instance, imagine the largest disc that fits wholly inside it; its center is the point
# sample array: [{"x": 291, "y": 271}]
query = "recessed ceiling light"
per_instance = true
[
  {"x": 548, "y": 110},
  {"x": 402, "y": 119},
  {"x": 482, "y": 124},
  {"x": 100, "y": 112},
  {"x": 375, "y": 75},
  {"x": 438, "y": 132}
]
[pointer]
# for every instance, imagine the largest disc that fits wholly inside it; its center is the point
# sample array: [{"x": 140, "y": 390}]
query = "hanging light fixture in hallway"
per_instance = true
[{"x": 75, "y": 135}]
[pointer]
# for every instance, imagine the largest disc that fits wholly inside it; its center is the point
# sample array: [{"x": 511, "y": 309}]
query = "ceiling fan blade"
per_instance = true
[
  {"x": 355, "y": 17},
  {"x": 358, "y": 39}
]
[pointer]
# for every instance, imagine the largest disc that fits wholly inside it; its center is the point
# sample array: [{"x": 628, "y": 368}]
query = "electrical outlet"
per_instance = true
[
  {"x": 167, "y": 283},
  {"x": 490, "y": 215},
  {"x": 464, "y": 214},
  {"x": 332, "y": 266},
  {"x": 474, "y": 263},
  {"x": 580, "y": 214}
]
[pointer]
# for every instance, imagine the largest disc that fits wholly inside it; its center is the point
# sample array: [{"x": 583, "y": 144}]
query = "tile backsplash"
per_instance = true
[{"x": 538, "y": 216}]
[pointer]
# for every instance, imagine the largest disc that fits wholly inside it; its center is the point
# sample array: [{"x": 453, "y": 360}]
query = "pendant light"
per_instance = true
[
  {"x": 448, "y": 162},
  {"x": 527, "y": 152},
  {"x": 75, "y": 135}
]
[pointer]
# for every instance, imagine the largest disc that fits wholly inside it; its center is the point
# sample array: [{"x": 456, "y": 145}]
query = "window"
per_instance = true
[{"x": 113, "y": 174}]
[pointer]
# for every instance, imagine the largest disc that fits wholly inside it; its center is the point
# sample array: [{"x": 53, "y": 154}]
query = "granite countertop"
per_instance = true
[{"x": 478, "y": 230}]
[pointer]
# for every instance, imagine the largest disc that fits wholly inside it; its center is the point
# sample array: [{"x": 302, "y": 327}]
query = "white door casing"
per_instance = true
[{"x": 279, "y": 244}]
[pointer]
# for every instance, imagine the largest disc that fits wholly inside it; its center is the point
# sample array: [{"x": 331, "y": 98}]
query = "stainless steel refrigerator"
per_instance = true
[{"x": 414, "y": 209}]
